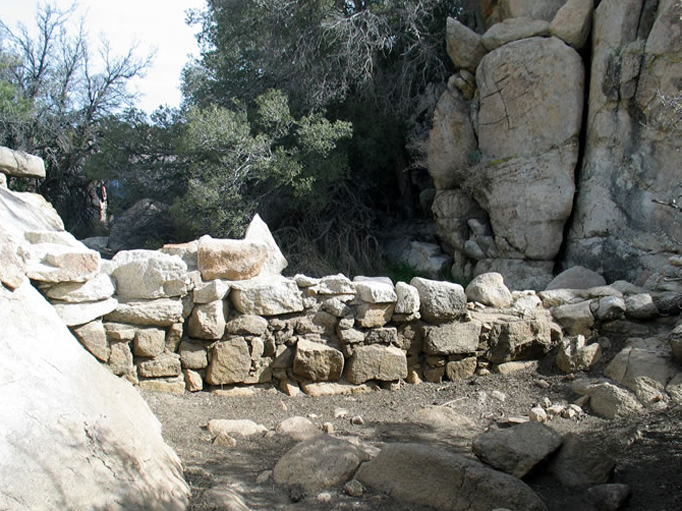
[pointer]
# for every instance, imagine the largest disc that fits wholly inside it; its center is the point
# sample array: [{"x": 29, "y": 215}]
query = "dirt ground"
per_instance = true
[{"x": 648, "y": 448}]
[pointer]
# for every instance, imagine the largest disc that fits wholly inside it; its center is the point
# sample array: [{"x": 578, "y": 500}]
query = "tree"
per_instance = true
[{"x": 64, "y": 91}]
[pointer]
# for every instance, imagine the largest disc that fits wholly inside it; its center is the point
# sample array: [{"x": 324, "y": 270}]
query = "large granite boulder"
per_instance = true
[
  {"x": 633, "y": 142},
  {"x": 72, "y": 435}
]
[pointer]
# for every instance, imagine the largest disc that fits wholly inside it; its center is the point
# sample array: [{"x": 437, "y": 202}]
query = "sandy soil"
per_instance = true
[{"x": 648, "y": 449}]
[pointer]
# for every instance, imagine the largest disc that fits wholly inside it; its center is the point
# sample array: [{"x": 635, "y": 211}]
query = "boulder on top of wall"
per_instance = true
[
  {"x": 514, "y": 29},
  {"x": 230, "y": 259},
  {"x": 266, "y": 296},
  {"x": 489, "y": 289},
  {"x": 440, "y": 301},
  {"x": 537, "y": 10},
  {"x": 375, "y": 289},
  {"x": 100, "y": 287},
  {"x": 149, "y": 274},
  {"x": 572, "y": 23},
  {"x": 21, "y": 164},
  {"x": 408, "y": 299},
  {"x": 576, "y": 277},
  {"x": 259, "y": 232},
  {"x": 464, "y": 46},
  {"x": 185, "y": 251}
]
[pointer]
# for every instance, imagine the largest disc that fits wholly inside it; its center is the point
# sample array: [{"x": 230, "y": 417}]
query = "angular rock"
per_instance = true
[
  {"x": 21, "y": 164},
  {"x": 640, "y": 306},
  {"x": 521, "y": 340},
  {"x": 93, "y": 337},
  {"x": 73, "y": 314},
  {"x": 21, "y": 212},
  {"x": 159, "y": 312},
  {"x": 270, "y": 296},
  {"x": 513, "y": 29},
  {"x": 121, "y": 358},
  {"x": 120, "y": 331},
  {"x": 489, "y": 289},
  {"x": 247, "y": 324},
  {"x": 193, "y": 355},
  {"x": 430, "y": 476},
  {"x": 440, "y": 301},
  {"x": 576, "y": 318},
  {"x": 572, "y": 22},
  {"x": 375, "y": 362},
  {"x": 103, "y": 443},
  {"x": 336, "y": 285},
  {"x": 574, "y": 355},
  {"x": 211, "y": 291},
  {"x": 375, "y": 291},
  {"x": 98, "y": 288},
  {"x": 167, "y": 364},
  {"x": 207, "y": 320},
  {"x": 374, "y": 315},
  {"x": 258, "y": 232},
  {"x": 452, "y": 338},
  {"x": 464, "y": 46},
  {"x": 461, "y": 369},
  {"x": 581, "y": 463},
  {"x": 319, "y": 463},
  {"x": 12, "y": 267},
  {"x": 185, "y": 251},
  {"x": 517, "y": 450},
  {"x": 230, "y": 259},
  {"x": 194, "y": 382},
  {"x": 610, "y": 308},
  {"x": 149, "y": 342},
  {"x": 315, "y": 361},
  {"x": 147, "y": 274},
  {"x": 608, "y": 400},
  {"x": 230, "y": 362},
  {"x": 49, "y": 262},
  {"x": 408, "y": 299},
  {"x": 642, "y": 358}
]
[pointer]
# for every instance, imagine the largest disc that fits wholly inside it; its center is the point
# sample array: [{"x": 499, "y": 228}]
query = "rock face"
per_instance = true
[
  {"x": 429, "y": 476},
  {"x": 636, "y": 61},
  {"x": 93, "y": 441}
]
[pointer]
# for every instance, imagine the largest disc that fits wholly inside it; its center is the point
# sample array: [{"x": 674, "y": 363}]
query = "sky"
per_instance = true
[{"x": 155, "y": 25}]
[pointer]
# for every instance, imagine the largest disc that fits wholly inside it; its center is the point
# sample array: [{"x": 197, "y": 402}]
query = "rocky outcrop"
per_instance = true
[{"x": 508, "y": 144}]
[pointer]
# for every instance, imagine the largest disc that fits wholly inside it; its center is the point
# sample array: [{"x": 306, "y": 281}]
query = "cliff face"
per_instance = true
[{"x": 561, "y": 146}]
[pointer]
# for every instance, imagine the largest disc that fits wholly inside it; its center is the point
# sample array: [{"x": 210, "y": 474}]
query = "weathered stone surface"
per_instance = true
[
  {"x": 21, "y": 164},
  {"x": 22, "y": 212},
  {"x": 607, "y": 399},
  {"x": 576, "y": 277},
  {"x": 73, "y": 314},
  {"x": 408, "y": 299},
  {"x": 247, "y": 324},
  {"x": 518, "y": 449},
  {"x": 103, "y": 443},
  {"x": 451, "y": 140},
  {"x": 93, "y": 337},
  {"x": 453, "y": 211},
  {"x": 440, "y": 301},
  {"x": 489, "y": 289},
  {"x": 230, "y": 362},
  {"x": 241, "y": 427},
  {"x": 319, "y": 463},
  {"x": 194, "y": 382},
  {"x": 519, "y": 274},
  {"x": 460, "y": 369},
  {"x": 464, "y": 46},
  {"x": 259, "y": 232},
  {"x": 230, "y": 259},
  {"x": 433, "y": 477},
  {"x": 298, "y": 428},
  {"x": 376, "y": 362},
  {"x": 148, "y": 274},
  {"x": 185, "y": 251},
  {"x": 335, "y": 285},
  {"x": 160, "y": 312},
  {"x": 315, "y": 361},
  {"x": 320, "y": 389},
  {"x": 100, "y": 287},
  {"x": 167, "y": 364},
  {"x": 640, "y": 306},
  {"x": 576, "y": 318},
  {"x": 267, "y": 296},
  {"x": 513, "y": 29},
  {"x": 372, "y": 290},
  {"x": 207, "y": 320},
  {"x": 149, "y": 342},
  {"x": 519, "y": 340},
  {"x": 454, "y": 338},
  {"x": 573, "y": 22},
  {"x": 637, "y": 60},
  {"x": 121, "y": 358},
  {"x": 538, "y": 10},
  {"x": 574, "y": 355},
  {"x": 444, "y": 422},
  {"x": 211, "y": 291},
  {"x": 51, "y": 262},
  {"x": 193, "y": 355},
  {"x": 120, "y": 331},
  {"x": 675, "y": 341},
  {"x": 374, "y": 315},
  {"x": 610, "y": 308},
  {"x": 580, "y": 463},
  {"x": 12, "y": 267},
  {"x": 642, "y": 358}
]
